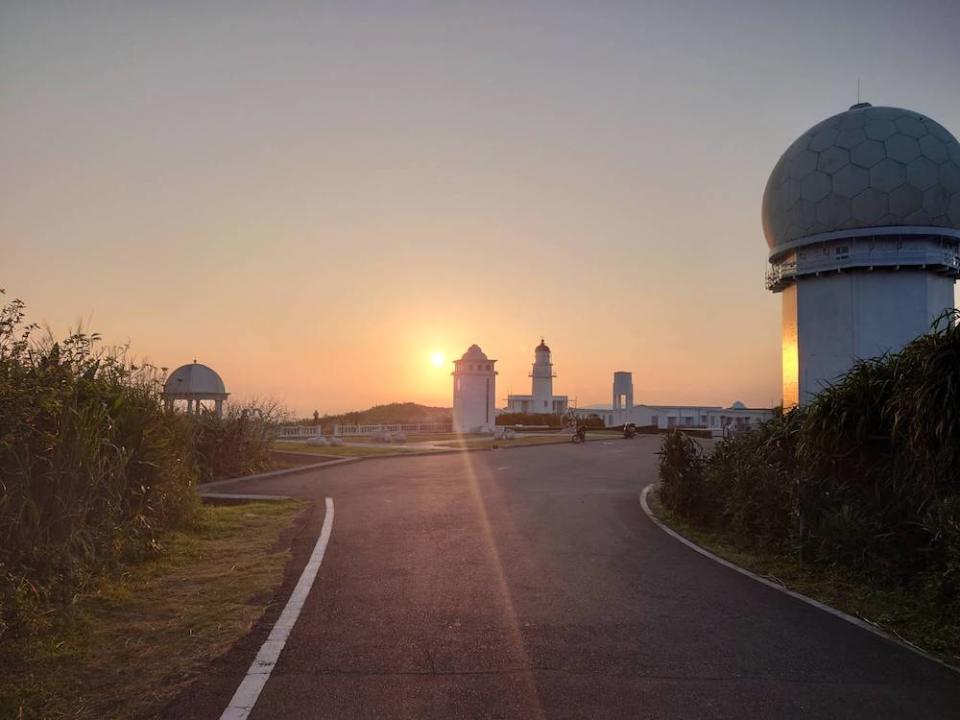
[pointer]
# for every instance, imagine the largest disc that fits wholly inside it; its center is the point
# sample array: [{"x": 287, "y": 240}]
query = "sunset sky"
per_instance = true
[{"x": 316, "y": 198}]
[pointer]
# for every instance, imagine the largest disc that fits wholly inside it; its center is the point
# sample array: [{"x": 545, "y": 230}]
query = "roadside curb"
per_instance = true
[
  {"x": 852, "y": 619},
  {"x": 239, "y": 498},
  {"x": 276, "y": 473}
]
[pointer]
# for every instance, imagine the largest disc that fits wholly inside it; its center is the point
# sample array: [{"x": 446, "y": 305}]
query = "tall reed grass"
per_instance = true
[{"x": 92, "y": 469}]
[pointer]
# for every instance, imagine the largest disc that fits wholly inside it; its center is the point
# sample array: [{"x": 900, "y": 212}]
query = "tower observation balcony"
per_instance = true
[{"x": 933, "y": 249}]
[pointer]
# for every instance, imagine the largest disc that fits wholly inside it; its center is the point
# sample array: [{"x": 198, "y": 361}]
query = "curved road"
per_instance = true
[{"x": 528, "y": 583}]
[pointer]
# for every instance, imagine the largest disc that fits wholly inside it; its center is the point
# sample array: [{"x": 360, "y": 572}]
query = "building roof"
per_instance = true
[
  {"x": 194, "y": 379},
  {"x": 867, "y": 167},
  {"x": 474, "y": 353},
  {"x": 542, "y": 347}
]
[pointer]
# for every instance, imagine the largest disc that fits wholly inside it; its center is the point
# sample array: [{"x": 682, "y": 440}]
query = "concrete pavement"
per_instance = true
[{"x": 528, "y": 583}]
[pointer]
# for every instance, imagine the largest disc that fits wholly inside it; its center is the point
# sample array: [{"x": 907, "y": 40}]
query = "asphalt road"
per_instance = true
[{"x": 528, "y": 583}]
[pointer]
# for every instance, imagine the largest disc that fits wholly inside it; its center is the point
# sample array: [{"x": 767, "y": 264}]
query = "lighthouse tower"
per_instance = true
[
  {"x": 542, "y": 374},
  {"x": 474, "y": 392},
  {"x": 862, "y": 216}
]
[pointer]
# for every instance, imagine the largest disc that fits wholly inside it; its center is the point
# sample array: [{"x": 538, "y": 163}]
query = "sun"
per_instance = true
[{"x": 436, "y": 359}]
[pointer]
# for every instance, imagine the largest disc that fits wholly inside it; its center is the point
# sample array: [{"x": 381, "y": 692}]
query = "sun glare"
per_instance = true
[{"x": 436, "y": 359}]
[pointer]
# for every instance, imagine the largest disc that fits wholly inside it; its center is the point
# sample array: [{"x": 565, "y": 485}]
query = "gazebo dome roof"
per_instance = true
[{"x": 194, "y": 379}]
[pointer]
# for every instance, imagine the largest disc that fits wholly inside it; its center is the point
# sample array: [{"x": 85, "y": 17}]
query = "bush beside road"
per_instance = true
[{"x": 860, "y": 488}]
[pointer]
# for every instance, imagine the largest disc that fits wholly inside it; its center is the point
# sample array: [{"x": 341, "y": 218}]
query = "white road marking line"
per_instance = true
[
  {"x": 246, "y": 695},
  {"x": 860, "y": 623}
]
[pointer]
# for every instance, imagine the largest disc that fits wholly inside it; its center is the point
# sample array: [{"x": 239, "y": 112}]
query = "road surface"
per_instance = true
[{"x": 528, "y": 583}]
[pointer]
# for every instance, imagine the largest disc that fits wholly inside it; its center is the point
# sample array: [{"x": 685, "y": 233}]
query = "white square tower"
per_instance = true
[{"x": 474, "y": 392}]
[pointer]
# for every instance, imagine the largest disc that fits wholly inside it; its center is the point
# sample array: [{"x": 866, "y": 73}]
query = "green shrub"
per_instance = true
[
  {"x": 682, "y": 487},
  {"x": 751, "y": 483},
  {"x": 867, "y": 475},
  {"x": 237, "y": 444},
  {"x": 92, "y": 468}
]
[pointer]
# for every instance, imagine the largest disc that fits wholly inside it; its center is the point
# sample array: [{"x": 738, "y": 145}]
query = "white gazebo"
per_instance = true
[{"x": 194, "y": 384}]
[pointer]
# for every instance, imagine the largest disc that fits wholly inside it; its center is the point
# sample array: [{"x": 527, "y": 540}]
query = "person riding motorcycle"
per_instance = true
[{"x": 580, "y": 434}]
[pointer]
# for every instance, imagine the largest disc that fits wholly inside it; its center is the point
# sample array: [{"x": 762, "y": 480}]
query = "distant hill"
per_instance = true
[{"x": 407, "y": 412}]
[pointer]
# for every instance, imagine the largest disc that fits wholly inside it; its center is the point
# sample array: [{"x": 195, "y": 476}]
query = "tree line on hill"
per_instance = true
[{"x": 389, "y": 414}]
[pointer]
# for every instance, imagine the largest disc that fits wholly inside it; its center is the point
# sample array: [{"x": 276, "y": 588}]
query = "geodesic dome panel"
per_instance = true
[{"x": 866, "y": 167}]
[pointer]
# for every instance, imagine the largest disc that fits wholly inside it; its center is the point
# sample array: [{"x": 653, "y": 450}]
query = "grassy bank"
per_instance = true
[
  {"x": 898, "y": 611},
  {"x": 127, "y": 648}
]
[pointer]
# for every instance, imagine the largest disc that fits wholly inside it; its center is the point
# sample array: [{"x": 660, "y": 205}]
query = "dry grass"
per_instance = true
[{"x": 128, "y": 649}]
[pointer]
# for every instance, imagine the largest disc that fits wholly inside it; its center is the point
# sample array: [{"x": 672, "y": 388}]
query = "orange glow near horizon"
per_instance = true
[{"x": 319, "y": 200}]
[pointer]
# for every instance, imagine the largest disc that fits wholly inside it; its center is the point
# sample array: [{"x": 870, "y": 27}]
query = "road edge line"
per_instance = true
[
  {"x": 244, "y": 699},
  {"x": 852, "y": 619}
]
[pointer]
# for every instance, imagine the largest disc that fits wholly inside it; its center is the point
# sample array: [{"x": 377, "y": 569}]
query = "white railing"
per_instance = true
[
  {"x": 398, "y": 427},
  {"x": 297, "y": 431},
  {"x": 850, "y": 254}
]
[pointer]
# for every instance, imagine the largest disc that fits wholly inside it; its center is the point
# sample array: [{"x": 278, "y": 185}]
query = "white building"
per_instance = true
[
  {"x": 193, "y": 385},
  {"x": 541, "y": 400},
  {"x": 862, "y": 217},
  {"x": 711, "y": 417},
  {"x": 474, "y": 392}
]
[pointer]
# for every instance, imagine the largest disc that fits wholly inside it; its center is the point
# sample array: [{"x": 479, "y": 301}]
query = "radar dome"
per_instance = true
[{"x": 868, "y": 167}]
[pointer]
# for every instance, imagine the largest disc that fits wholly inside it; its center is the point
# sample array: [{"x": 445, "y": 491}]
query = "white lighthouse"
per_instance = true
[
  {"x": 541, "y": 401},
  {"x": 474, "y": 392},
  {"x": 862, "y": 216},
  {"x": 542, "y": 379}
]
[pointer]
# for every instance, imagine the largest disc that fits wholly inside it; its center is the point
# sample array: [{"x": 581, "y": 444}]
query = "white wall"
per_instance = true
[
  {"x": 542, "y": 382},
  {"x": 622, "y": 391},
  {"x": 840, "y": 317},
  {"x": 666, "y": 416},
  {"x": 474, "y": 394}
]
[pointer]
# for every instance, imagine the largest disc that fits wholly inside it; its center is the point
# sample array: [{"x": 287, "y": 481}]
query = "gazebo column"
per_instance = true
[
  {"x": 189, "y": 406},
  {"x": 219, "y": 407}
]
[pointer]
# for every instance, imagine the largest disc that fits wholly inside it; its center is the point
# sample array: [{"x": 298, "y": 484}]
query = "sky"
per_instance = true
[{"x": 315, "y": 198}]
